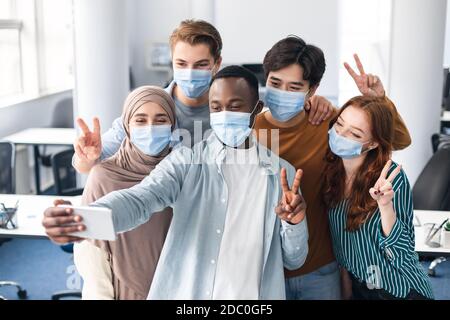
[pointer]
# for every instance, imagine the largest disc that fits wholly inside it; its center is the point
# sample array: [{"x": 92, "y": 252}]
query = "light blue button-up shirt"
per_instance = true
[{"x": 191, "y": 182}]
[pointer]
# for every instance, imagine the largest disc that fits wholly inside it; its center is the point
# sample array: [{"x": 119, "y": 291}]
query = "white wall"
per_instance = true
[
  {"x": 149, "y": 22},
  {"x": 250, "y": 28},
  {"x": 417, "y": 51},
  {"x": 447, "y": 38},
  {"x": 30, "y": 114}
]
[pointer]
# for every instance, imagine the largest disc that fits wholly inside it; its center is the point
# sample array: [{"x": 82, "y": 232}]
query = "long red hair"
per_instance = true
[{"x": 361, "y": 204}]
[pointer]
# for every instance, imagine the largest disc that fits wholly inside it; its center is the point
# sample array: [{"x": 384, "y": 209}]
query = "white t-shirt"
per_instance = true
[{"x": 239, "y": 265}]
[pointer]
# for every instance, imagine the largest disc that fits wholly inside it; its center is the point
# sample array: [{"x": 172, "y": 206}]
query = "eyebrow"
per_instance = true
[
  {"x": 202, "y": 61},
  {"x": 356, "y": 128},
  {"x": 146, "y": 115},
  {"x": 292, "y": 82},
  {"x": 236, "y": 99},
  {"x": 197, "y": 62}
]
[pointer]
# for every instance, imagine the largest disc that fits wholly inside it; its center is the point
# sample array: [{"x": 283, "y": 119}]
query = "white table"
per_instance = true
[
  {"x": 30, "y": 214},
  {"x": 42, "y": 136},
  {"x": 445, "y": 116},
  {"x": 425, "y": 216}
]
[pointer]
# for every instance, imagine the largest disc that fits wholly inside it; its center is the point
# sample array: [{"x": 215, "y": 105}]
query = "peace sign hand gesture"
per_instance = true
[
  {"x": 382, "y": 192},
  {"x": 368, "y": 84},
  {"x": 292, "y": 207},
  {"x": 88, "y": 146}
]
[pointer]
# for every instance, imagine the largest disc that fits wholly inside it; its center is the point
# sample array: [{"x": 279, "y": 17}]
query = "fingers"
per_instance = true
[
  {"x": 394, "y": 173},
  {"x": 52, "y": 213},
  {"x": 370, "y": 80},
  {"x": 359, "y": 64},
  {"x": 83, "y": 126},
  {"x": 350, "y": 71},
  {"x": 295, "y": 202},
  {"x": 79, "y": 152},
  {"x": 374, "y": 194},
  {"x": 66, "y": 239},
  {"x": 297, "y": 181},
  {"x": 385, "y": 188},
  {"x": 284, "y": 182},
  {"x": 57, "y": 202},
  {"x": 329, "y": 112},
  {"x": 320, "y": 110},
  {"x": 64, "y": 231},
  {"x": 385, "y": 170},
  {"x": 308, "y": 105},
  {"x": 96, "y": 126}
]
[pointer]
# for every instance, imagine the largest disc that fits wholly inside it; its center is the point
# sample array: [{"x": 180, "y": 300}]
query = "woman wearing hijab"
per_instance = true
[{"x": 123, "y": 269}]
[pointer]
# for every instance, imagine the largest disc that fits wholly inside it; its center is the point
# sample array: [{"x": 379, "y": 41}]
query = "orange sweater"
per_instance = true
[{"x": 304, "y": 146}]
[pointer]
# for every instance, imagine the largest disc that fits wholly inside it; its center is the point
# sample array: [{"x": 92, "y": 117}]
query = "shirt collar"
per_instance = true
[{"x": 266, "y": 158}]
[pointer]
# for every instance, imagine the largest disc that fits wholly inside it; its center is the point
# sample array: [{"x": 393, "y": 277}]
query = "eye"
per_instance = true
[
  {"x": 338, "y": 124},
  {"x": 356, "y": 136},
  {"x": 295, "y": 88},
  {"x": 274, "y": 84}
]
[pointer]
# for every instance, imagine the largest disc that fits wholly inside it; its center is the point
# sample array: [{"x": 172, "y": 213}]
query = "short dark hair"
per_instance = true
[
  {"x": 235, "y": 71},
  {"x": 293, "y": 50}
]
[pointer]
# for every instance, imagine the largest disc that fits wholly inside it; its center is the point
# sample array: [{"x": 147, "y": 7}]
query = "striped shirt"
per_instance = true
[{"x": 388, "y": 263}]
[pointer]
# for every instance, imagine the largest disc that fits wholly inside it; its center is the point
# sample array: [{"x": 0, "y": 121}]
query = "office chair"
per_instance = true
[
  {"x": 440, "y": 141},
  {"x": 446, "y": 93},
  {"x": 64, "y": 174},
  {"x": 432, "y": 190},
  {"x": 65, "y": 185},
  {"x": 62, "y": 117},
  {"x": 7, "y": 185}
]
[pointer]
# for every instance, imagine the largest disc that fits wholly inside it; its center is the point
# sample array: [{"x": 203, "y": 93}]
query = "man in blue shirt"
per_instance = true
[{"x": 236, "y": 223}]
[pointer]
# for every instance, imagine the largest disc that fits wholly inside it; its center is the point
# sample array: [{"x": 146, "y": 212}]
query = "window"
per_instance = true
[
  {"x": 36, "y": 48},
  {"x": 10, "y": 55},
  {"x": 368, "y": 35}
]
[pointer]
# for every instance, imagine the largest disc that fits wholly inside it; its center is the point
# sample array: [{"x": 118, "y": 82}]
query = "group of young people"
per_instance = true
[{"x": 204, "y": 185}]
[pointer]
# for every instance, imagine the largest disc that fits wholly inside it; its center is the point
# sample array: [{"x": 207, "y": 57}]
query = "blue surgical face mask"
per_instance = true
[
  {"x": 193, "y": 82},
  {"x": 284, "y": 105},
  {"x": 151, "y": 139},
  {"x": 343, "y": 147},
  {"x": 232, "y": 128}
]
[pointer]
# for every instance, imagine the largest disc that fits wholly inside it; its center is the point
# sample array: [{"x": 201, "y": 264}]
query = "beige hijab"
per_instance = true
[{"x": 134, "y": 255}]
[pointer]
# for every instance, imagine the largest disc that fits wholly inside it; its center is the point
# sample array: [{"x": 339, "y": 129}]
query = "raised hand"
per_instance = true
[
  {"x": 368, "y": 84},
  {"x": 292, "y": 207},
  {"x": 382, "y": 191},
  {"x": 319, "y": 109},
  {"x": 88, "y": 147}
]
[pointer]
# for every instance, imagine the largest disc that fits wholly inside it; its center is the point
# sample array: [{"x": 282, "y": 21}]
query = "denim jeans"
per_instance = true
[{"x": 321, "y": 284}]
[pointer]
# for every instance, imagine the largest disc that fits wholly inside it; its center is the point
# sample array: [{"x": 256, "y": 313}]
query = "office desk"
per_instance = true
[
  {"x": 30, "y": 213},
  {"x": 42, "y": 136},
  {"x": 425, "y": 216}
]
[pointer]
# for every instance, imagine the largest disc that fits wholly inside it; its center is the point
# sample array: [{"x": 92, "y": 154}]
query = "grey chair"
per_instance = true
[
  {"x": 65, "y": 185},
  {"x": 7, "y": 185},
  {"x": 62, "y": 117},
  {"x": 432, "y": 191}
]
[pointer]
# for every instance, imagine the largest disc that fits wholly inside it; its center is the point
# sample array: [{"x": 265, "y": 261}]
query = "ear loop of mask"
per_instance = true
[{"x": 254, "y": 120}]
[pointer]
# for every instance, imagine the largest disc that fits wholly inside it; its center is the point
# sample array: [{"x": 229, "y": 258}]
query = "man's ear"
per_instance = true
[
  {"x": 217, "y": 65},
  {"x": 259, "y": 107},
  {"x": 312, "y": 90}
]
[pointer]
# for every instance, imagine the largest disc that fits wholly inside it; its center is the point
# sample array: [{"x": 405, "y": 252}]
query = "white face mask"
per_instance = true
[
  {"x": 151, "y": 139},
  {"x": 232, "y": 128},
  {"x": 343, "y": 147}
]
